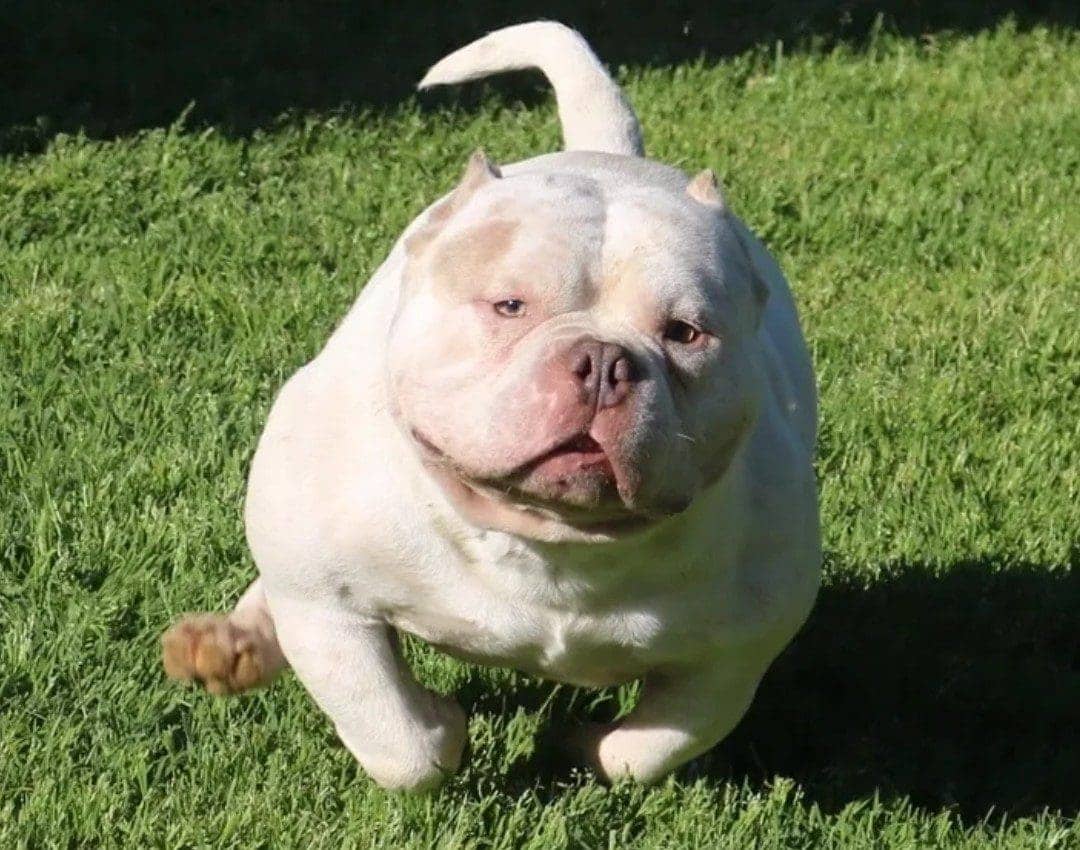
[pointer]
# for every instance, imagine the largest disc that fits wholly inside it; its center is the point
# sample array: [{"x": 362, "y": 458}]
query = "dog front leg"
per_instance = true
[
  {"x": 403, "y": 735},
  {"x": 682, "y": 713}
]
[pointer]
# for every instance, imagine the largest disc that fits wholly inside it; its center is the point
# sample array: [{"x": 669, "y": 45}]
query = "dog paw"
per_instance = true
[
  {"x": 422, "y": 761},
  {"x": 210, "y": 649}
]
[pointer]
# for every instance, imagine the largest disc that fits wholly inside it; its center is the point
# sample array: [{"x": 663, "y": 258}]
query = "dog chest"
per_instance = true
[{"x": 581, "y": 649}]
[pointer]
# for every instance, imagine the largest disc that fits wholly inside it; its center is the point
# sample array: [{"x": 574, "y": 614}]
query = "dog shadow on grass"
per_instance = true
[
  {"x": 117, "y": 66},
  {"x": 957, "y": 687}
]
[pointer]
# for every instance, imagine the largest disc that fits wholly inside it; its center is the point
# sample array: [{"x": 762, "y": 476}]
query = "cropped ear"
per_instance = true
[
  {"x": 479, "y": 171},
  {"x": 705, "y": 189}
]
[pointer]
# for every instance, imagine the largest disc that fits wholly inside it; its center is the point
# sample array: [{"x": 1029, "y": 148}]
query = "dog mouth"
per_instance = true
[
  {"x": 552, "y": 484},
  {"x": 581, "y": 453}
]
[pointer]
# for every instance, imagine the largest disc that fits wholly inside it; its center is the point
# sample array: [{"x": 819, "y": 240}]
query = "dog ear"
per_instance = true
[
  {"x": 479, "y": 171},
  {"x": 705, "y": 189}
]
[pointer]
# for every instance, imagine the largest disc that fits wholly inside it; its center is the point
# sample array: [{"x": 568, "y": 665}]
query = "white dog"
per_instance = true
[{"x": 567, "y": 427}]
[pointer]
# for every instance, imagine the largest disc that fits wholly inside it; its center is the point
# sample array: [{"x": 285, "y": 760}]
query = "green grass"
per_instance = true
[{"x": 158, "y": 289}]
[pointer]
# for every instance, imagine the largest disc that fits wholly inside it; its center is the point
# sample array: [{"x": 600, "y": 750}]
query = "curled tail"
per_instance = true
[{"x": 594, "y": 113}]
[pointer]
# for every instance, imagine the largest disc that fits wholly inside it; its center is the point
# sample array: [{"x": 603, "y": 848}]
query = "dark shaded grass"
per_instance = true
[
  {"x": 114, "y": 66},
  {"x": 954, "y": 686}
]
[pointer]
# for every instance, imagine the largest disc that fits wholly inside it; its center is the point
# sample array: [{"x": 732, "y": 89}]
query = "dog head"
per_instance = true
[{"x": 574, "y": 359}]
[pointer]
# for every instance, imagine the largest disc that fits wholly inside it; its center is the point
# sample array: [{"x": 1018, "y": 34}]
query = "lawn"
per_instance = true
[{"x": 159, "y": 287}]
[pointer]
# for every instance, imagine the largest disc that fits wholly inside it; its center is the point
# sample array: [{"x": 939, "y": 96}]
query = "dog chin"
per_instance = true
[{"x": 589, "y": 492}]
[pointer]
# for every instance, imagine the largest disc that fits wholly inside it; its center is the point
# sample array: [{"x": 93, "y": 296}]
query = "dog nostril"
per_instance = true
[
  {"x": 622, "y": 371},
  {"x": 583, "y": 365}
]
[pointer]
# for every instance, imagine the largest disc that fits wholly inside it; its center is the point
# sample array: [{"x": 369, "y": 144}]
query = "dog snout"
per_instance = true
[{"x": 605, "y": 372}]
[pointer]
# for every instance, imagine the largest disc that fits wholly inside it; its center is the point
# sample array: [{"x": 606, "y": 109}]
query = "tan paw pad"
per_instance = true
[{"x": 209, "y": 649}]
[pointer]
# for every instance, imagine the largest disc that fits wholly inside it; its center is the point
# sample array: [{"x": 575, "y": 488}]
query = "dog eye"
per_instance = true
[
  {"x": 681, "y": 332},
  {"x": 512, "y": 308}
]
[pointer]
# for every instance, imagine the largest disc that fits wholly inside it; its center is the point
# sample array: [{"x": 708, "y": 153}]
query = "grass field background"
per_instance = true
[{"x": 919, "y": 188}]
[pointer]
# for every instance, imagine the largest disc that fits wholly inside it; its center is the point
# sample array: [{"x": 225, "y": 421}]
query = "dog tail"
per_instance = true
[{"x": 594, "y": 113}]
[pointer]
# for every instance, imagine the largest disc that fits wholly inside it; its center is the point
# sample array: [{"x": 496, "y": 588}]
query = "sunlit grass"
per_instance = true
[{"x": 157, "y": 290}]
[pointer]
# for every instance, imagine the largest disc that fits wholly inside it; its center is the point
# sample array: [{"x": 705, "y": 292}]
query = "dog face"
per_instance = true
[{"x": 573, "y": 363}]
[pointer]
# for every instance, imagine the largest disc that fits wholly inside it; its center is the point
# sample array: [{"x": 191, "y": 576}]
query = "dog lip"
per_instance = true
[
  {"x": 609, "y": 526},
  {"x": 581, "y": 443}
]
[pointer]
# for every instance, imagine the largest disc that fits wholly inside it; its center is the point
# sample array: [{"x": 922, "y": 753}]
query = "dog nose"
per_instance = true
[{"x": 607, "y": 371}]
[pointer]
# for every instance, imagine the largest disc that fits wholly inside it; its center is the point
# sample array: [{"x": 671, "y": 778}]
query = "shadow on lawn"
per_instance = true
[
  {"x": 959, "y": 689},
  {"x": 115, "y": 66}
]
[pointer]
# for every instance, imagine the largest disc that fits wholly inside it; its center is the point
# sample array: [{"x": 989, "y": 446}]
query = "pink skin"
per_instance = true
[{"x": 589, "y": 392}]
